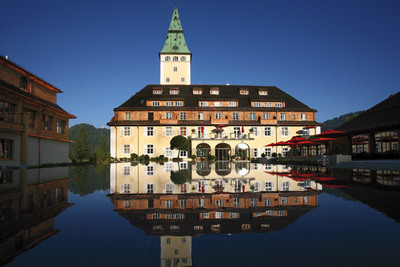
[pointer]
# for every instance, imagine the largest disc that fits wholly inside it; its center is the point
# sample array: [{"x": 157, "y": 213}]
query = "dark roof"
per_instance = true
[
  {"x": 226, "y": 93},
  {"x": 383, "y": 116}
]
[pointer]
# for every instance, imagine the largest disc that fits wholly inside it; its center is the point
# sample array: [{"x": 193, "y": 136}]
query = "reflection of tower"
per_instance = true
[{"x": 176, "y": 251}]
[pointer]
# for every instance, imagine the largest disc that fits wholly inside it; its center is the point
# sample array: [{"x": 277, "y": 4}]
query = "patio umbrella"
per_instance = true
[
  {"x": 272, "y": 144},
  {"x": 297, "y": 139},
  {"x": 331, "y": 132},
  {"x": 220, "y": 125},
  {"x": 242, "y": 129},
  {"x": 324, "y": 179},
  {"x": 321, "y": 139}
]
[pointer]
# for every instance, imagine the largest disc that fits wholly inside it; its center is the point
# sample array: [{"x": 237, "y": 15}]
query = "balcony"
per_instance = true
[
  {"x": 11, "y": 121},
  {"x": 222, "y": 136}
]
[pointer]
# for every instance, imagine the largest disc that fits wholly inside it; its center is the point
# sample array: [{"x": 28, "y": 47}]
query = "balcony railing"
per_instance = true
[{"x": 222, "y": 136}]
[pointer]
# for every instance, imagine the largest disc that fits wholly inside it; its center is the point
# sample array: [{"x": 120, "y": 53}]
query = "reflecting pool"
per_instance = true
[{"x": 183, "y": 214}]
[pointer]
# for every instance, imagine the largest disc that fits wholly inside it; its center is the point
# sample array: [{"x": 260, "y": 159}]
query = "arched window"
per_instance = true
[
  {"x": 183, "y": 58},
  {"x": 175, "y": 58},
  {"x": 167, "y": 58}
]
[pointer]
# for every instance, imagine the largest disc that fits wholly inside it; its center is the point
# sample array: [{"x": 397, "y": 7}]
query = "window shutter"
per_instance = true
[
  {"x": 173, "y": 131},
  {"x": 122, "y": 149},
  {"x": 164, "y": 131},
  {"x": 145, "y": 131},
  {"x": 122, "y": 131},
  {"x": 145, "y": 150}
]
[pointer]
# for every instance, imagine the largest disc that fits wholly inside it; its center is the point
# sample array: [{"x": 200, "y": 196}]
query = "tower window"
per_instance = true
[
  {"x": 182, "y": 79},
  {"x": 175, "y": 69},
  {"x": 183, "y": 58},
  {"x": 167, "y": 58},
  {"x": 175, "y": 58},
  {"x": 167, "y": 79}
]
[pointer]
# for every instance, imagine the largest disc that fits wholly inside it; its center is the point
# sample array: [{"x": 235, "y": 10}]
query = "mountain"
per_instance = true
[
  {"x": 93, "y": 134},
  {"x": 336, "y": 122}
]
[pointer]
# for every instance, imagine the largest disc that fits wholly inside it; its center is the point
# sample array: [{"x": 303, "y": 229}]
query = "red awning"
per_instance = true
[
  {"x": 297, "y": 139},
  {"x": 331, "y": 132},
  {"x": 321, "y": 139}
]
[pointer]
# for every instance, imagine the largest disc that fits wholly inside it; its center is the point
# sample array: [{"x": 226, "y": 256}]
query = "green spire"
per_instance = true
[{"x": 175, "y": 43}]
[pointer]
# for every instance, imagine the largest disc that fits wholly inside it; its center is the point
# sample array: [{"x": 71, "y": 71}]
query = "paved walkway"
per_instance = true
[{"x": 387, "y": 164}]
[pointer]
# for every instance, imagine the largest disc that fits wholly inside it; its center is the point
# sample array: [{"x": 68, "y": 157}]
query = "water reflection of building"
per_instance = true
[
  {"x": 29, "y": 202},
  {"x": 221, "y": 198}
]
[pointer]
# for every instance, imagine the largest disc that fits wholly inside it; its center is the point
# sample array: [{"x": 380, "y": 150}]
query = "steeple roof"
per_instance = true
[{"x": 175, "y": 43}]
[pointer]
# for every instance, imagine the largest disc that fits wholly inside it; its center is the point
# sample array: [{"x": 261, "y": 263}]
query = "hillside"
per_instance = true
[
  {"x": 93, "y": 134},
  {"x": 336, "y": 122}
]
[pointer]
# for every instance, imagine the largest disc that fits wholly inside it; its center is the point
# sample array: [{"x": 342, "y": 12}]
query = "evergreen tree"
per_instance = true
[
  {"x": 101, "y": 149},
  {"x": 81, "y": 148},
  {"x": 180, "y": 143}
]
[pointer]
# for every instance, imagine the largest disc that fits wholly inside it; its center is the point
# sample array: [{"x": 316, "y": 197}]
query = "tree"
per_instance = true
[
  {"x": 180, "y": 177},
  {"x": 180, "y": 143},
  {"x": 101, "y": 149},
  {"x": 81, "y": 150}
]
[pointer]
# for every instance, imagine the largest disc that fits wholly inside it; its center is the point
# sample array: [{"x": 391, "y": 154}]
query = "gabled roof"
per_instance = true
[
  {"x": 226, "y": 93},
  {"x": 175, "y": 43},
  {"x": 384, "y": 115}
]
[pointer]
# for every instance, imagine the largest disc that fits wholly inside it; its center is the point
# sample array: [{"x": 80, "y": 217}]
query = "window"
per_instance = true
[
  {"x": 47, "y": 122},
  {"x": 257, "y": 104},
  {"x": 232, "y": 104},
  {"x": 183, "y": 79},
  {"x": 218, "y": 116},
  {"x": 244, "y": 91},
  {"x": 200, "y": 116},
  {"x": 198, "y": 228},
  {"x": 235, "y": 116},
  {"x": 219, "y": 215},
  {"x": 183, "y": 58},
  {"x": 168, "y": 152},
  {"x": 60, "y": 127},
  {"x": 169, "y": 189},
  {"x": 236, "y": 202},
  {"x": 170, "y": 216},
  {"x": 150, "y": 131},
  {"x": 267, "y": 202},
  {"x": 293, "y": 117},
  {"x": 157, "y": 91},
  {"x": 149, "y": 149},
  {"x": 255, "y": 152},
  {"x": 253, "y": 201},
  {"x": 179, "y": 103},
  {"x": 267, "y": 151},
  {"x": 168, "y": 131},
  {"x": 217, "y": 104},
  {"x": 203, "y": 104},
  {"x": 169, "y": 203},
  {"x": 285, "y": 185},
  {"x": 150, "y": 116},
  {"x": 127, "y": 204},
  {"x": 174, "y": 92},
  {"x": 268, "y": 186},
  {"x": 167, "y": 79},
  {"x": 267, "y": 131},
  {"x": 255, "y": 131},
  {"x": 168, "y": 115},
  {"x": 167, "y": 58},
  {"x": 197, "y": 91},
  {"x": 236, "y": 131},
  {"x": 127, "y": 149},
  {"x": 150, "y": 188},
  {"x": 219, "y": 203},
  {"x": 284, "y": 131},
  {"x": 182, "y": 116},
  {"x": 127, "y": 131},
  {"x": 201, "y": 202},
  {"x": 155, "y": 104},
  {"x": 126, "y": 188},
  {"x": 175, "y": 69},
  {"x": 205, "y": 215},
  {"x": 280, "y": 213},
  {"x": 303, "y": 116},
  {"x": 268, "y": 104},
  {"x": 183, "y": 154},
  {"x": 175, "y": 58},
  {"x": 252, "y": 116},
  {"x": 169, "y": 103},
  {"x": 149, "y": 170},
  {"x": 179, "y": 216},
  {"x": 214, "y": 91},
  {"x": 182, "y": 131},
  {"x": 262, "y": 92},
  {"x": 283, "y": 116},
  {"x": 278, "y": 105},
  {"x": 183, "y": 203},
  {"x": 127, "y": 116},
  {"x": 156, "y": 216},
  {"x": 265, "y": 116},
  {"x": 284, "y": 200}
]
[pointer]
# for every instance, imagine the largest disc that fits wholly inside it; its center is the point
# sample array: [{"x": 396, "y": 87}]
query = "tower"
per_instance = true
[{"x": 175, "y": 57}]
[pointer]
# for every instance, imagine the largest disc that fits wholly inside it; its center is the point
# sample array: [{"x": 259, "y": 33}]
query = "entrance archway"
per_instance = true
[
  {"x": 222, "y": 152},
  {"x": 203, "y": 150},
  {"x": 242, "y": 151}
]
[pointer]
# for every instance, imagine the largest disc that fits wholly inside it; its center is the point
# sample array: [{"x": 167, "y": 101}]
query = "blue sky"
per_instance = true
[{"x": 334, "y": 56}]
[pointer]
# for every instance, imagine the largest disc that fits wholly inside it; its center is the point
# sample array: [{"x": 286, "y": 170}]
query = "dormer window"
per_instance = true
[
  {"x": 174, "y": 91},
  {"x": 157, "y": 91},
  {"x": 203, "y": 104},
  {"x": 217, "y": 104},
  {"x": 175, "y": 58},
  {"x": 233, "y": 104},
  {"x": 167, "y": 58},
  {"x": 278, "y": 104},
  {"x": 262, "y": 91},
  {"x": 244, "y": 91},
  {"x": 257, "y": 104},
  {"x": 169, "y": 103},
  {"x": 156, "y": 104},
  {"x": 183, "y": 58},
  {"x": 268, "y": 104},
  {"x": 214, "y": 91},
  {"x": 197, "y": 91}
]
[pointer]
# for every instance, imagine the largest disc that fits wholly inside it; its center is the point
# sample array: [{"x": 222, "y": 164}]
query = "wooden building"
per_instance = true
[{"x": 33, "y": 128}]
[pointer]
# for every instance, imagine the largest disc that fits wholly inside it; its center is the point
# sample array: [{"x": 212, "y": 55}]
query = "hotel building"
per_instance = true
[
  {"x": 33, "y": 128},
  {"x": 221, "y": 120}
]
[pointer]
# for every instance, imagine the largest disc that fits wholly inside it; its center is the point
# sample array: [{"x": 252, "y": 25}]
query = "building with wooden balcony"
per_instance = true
[
  {"x": 33, "y": 128},
  {"x": 221, "y": 120}
]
